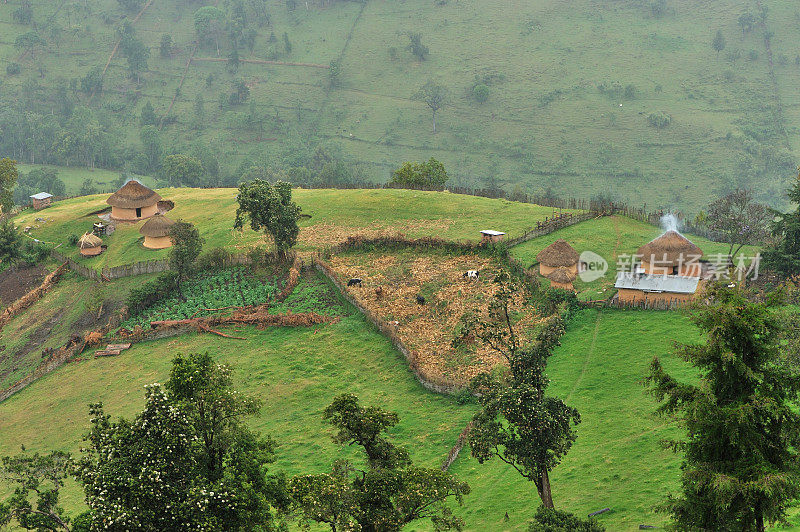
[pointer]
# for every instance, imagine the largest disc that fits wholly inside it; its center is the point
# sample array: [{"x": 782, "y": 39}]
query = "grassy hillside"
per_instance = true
[
  {"x": 571, "y": 89},
  {"x": 73, "y": 177},
  {"x": 611, "y": 237},
  {"x": 335, "y": 215}
]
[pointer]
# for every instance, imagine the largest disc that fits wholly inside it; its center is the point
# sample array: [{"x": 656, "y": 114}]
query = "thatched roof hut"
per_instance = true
[
  {"x": 156, "y": 232},
  {"x": 556, "y": 255},
  {"x": 133, "y": 202},
  {"x": 562, "y": 277},
  {"x": 670, "y": 250},
  {"x": 90, "y": 245}
]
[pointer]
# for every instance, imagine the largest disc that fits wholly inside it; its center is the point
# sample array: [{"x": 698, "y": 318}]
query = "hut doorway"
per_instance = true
[{"x": 138, "y": 212}]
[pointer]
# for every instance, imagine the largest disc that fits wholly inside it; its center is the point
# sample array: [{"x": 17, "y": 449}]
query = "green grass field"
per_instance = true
[
  {"x": 571, "y": 87},
  {"x": 335, "y": 215},
  {"x": 612, "y": 237},
  {"x": 73, "y": 177}
]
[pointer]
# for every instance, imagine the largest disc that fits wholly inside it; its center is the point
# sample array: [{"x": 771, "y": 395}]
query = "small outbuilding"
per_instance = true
[
  {"x": 671, "y": 254},
  {"x": 156, "y": 232},
  {"x": 90, "y": 245},
  {"x": 41, "y": 200},
  {"x": 559, "y": 254},
  {"x": 562, "y": 277},
  {"x": 662, "y": 289},
  {"x": 133, "y": 202},
  {"x": 489, "y": 235}
]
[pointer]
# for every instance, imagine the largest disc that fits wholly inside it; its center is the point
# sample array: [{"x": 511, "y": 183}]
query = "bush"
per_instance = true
[
  {"x": 72, "y": 239},
  {"x": 659, "y": 120},
  {"x": 34, "y": 252},
  {"x": 550, "y": 520},
  {"x": 214, "y": 259},
  {"x": 13, "y": 69},
  {"x": 480, "y": 92},
  {"x": 151, "y": 292}
]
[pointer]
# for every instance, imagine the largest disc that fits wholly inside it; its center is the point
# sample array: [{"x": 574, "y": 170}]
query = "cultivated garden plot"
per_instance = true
[{"x": 391, "y": 282}]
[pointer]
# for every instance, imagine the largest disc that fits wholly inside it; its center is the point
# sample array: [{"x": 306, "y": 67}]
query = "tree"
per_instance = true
[
  {"x": 131, "y": 5},
  {"x": 148, "y": 117},
  {"x": 233, "y": 61},
  {"x": 186, "y": 247},
  {"x": 40, "y": 477},
  {"x": 740, "y": 220},
  {"x": 165, "y": 49},
  {"x": 429, "y": 175},
  {"x": 747, "y": 22},
  {"x": 183, "y": 171},
  {"x": 435, "y": 97},
  {"x": 740, "y": 468},
  {"x": 186, "y": 462},
  {"x": 135, "y": 52},
  {"x": 10, "y": 243},
  {"x": 24, "y": 13},
  {"x": 518, "y": 423},
  {"x": 389, "y": 494},
  {"x": 287, "y": 45},
  {"x": 784, "y": 257},
  {"x": 8, "y": 179},
  {"x": 87, "y": 188},
  {"x": 151, "y": 142},
  {"x": 92, "y": 82},
  {"x": 199, "y": 110},
  {"x": 718, "y": 43},
  {"x": 29, "y": 41},
  {"x": 269, "y": 207},
  {"x": 240, "y": 92},
  {"x": 335, "y": 74},
  {"x": 209, "y": 23},
  {"x": 480, "y": 92},
  {"x": 550, "y": 520},
  {"x": 419, "y": 50}
]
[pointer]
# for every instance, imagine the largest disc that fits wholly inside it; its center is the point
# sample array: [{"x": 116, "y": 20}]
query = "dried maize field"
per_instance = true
[{"x": 391, "y": 282}]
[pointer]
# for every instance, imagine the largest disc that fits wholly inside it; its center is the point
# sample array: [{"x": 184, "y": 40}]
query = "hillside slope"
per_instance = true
[{"x": 570, "y": 89}]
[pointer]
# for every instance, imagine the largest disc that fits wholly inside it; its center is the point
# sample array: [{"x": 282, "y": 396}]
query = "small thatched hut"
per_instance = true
[
  {"x": 671, "y": 254},
  {"x": 556, "y": 255},
  {"x": 562, "y": 277},
  {"x": 90, "y": 245},
  {"x": 133, "y": 202},
  {"x": 156, "y": 232}
]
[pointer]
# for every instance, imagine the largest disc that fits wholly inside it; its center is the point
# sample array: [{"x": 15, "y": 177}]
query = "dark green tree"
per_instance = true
[
  {"x": 209, "y": 23},
  {"x": 24, "y": 13},
  {"x": 518, "y": 423},
  {"x": 8, "y": 179},
  {"x": 87, "y": 188},
  {"x": 429, "y": 175},
  {"x": 435, "y": 97},
  {"x": 183, "y": 171},
  {"x": 741, "y": 468},
  {"x": 131, "y": 5},
  {"x": 718, "y": 42},
  {"x": 419, "y": 50},
  {"x": 287, "y": 45},
  {"x": 740, "y": 220},
  {"x": 29, "y": 42},
  {"x": 92, "y": 82},
  {"x": 37, "y": 480},
  {"x": 186, "y": 247},
  {"x": 389, "y": 494},
  {"x": 153, "y": 148},
  {"x": 550, "y": 520},
  {"x": 148, "y": 117},
  {"x": 269, "y": 208},
  {"x": 784, "y": 257},
  {"x": 187, "y": 462},
  {"x": 165, "y": 48}
]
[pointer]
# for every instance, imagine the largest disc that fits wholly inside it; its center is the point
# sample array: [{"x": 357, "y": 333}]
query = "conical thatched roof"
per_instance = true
[
  {"x": 670, "y": 249},
  {"x": 89, "y": 240},
  {"x": 157, "y": 225},
  {"x": 133, "y": 195},
  {"x": 559, "y": 253},
  {"x": 561, "y": 275}
]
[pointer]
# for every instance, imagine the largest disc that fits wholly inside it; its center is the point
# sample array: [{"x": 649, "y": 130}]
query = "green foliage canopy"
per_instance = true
[{"x": 269, "y": 207}]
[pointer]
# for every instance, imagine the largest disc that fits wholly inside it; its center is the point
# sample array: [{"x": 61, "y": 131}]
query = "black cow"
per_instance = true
[
  {"x": 355, "y": 281},
  {"x": 420, "y": 300}
]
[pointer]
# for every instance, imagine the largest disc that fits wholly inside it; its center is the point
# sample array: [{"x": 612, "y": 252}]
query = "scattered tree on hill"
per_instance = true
[
  {"x": 210, "y": 23},
  {"x": 8, "y": 179},
  {"x": 24, "y": 13},
  {"x": 186, "y": 462},
  {"x": 10, "y": 242},
  {"x": 186, "y": 247},
  {"x": 518, "y": 423},
  {"x": 183, "y": 171},
  {"x": 151, "y": 142},
  {"x": 233, "y": 61},
  {"x": 131, "y": 5},
  {"x": 419, "y": 50},
  {"x": 480, "y": 92},
  {"x": 135, "y": 52},
  {"x": 747, "y": 22},
  {"x": 435, "y": 97},
  {"x": 740, "y": 220},
  {"x": 429, "y": 175},
  {"x": 718, "y": 42},
  {"x": 148, "y": 117},
  {"x": 37, "y": 481},
  {"x": 390, "y": 494},
  {"x": 92, "y": 82},
  {"x": 658, "y": 8},
  {"x": 87, "y": 188},
  {"x": 240, "y": 93},
  {"x": 269, "y": 208},
  {"x": 165, "y": 48},
  {"x": 335, "y": 74},
  {"x": 287, "y": 45},
  {"x": 741, "y": 468},
  {"x": 784, "y": 257},
  {"x": 29, "y": 42},
  {"x": 199, "y": 111}
]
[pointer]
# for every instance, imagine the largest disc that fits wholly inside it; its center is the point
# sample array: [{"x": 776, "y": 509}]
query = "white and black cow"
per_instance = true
[{"x": 471, "y": 275}]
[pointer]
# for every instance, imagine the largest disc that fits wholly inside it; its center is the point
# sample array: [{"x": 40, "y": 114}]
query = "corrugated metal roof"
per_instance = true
[
  {"x": 657, "y": 283},
  {"x": 490, "y": 232},
  {"x": 42, "y": 195}
]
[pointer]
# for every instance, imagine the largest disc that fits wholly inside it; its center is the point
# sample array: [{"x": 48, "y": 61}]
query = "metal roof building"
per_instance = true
[{"x": 674, "y": 284}]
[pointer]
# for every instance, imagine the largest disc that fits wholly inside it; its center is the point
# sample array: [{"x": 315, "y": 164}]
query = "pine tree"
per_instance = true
[{"x": 785, "y": 256}]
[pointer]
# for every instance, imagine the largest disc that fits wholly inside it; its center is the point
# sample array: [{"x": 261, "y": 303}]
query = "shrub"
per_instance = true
[
  {"x": 151, "y": 292},
  {"x": 659, "y": 119},
  {"x": 551, "y": 520},
  {"x": 480, "y": 92},
  {"x": 214, "y": 259},
  {"x": 72, "y": 240},
  {"x": 13, "y": 69},
  {"x": 630, "y": 91},
  {"x": 752, "y": 55}
]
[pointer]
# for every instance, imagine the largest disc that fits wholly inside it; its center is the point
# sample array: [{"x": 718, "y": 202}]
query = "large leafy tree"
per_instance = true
[
  {"x": 209, "y": 23},
  {"x": 518, "y": 423},
  {"x": 187, "y": 462},
  {"x": 785, "y": 255},
  {"x": 741, "y": 468},
  {"x": 740, "y": 220},
  {"x": 184, "y": 171},
  {"x": 430, "y": 174},
  {"x": 10, "y": 243},
  {"x": 389, "y": 494},
  {"x": 186, "y": 247},
  {"x": 8, "y": 178},
  {"x": 435, "y": 97},
  {"x": 269, "y": 208}
]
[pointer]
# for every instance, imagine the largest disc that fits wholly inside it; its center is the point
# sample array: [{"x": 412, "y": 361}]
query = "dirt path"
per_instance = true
[{"x": 588, "y": 358}]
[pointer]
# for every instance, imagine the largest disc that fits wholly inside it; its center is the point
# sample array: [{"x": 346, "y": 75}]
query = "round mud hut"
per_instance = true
[
  {"x": 559, "y": 254},
  {"x": 90, "y": 245},
  {"x": 133, "y": 202},
  {"x": 156, "y": 232},
  {"x": 562, "y": 277},
  {"x": 671, "y": 254}
]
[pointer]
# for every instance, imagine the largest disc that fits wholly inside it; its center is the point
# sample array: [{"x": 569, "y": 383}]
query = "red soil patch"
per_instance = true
[{"x": 15, "y": 283}]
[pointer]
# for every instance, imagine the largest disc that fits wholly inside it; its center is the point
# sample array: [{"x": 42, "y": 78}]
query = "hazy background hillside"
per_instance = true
[{"x": 625, "y": 98}]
